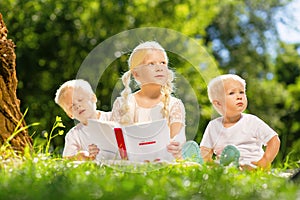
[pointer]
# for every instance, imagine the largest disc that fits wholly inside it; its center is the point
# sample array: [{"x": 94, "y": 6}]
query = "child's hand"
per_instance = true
[
  {"x": 93, "y": 151},
  {"x": 175, "y": 149},
  {"x": 84, "y": 155},
  {"x": 80, "y": 156}
]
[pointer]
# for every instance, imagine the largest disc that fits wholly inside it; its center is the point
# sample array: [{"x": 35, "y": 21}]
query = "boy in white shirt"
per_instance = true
[
  {"x": 236, "y": 133},
  {"x": 78, "y": 100}
]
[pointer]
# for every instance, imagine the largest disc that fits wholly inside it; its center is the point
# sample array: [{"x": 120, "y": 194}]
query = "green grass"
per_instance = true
[
  {"x": 40, "y": 176},
  {"x": 46, "y": 178}
]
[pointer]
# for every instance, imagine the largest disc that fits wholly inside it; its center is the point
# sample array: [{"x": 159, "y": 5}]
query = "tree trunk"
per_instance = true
[{"x": 10, "y": 113}]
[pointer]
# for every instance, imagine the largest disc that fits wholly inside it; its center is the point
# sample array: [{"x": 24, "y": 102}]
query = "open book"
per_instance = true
[{"x": 138, "y": 142}]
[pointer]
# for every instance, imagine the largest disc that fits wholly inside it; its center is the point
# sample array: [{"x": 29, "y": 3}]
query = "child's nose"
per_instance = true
[
  {"x": 76, "y": 107},
  {"x": 159, "y": 67}
]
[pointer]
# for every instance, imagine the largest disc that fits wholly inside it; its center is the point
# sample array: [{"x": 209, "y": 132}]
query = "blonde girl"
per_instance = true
[{"x": 148, "y": 65}]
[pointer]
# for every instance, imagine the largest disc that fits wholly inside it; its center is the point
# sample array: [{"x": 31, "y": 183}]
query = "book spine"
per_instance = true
[{"x": 121, "y": 143}]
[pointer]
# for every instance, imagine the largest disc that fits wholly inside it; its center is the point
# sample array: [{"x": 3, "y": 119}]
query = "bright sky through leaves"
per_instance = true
[{"x": 289, "y": 22}]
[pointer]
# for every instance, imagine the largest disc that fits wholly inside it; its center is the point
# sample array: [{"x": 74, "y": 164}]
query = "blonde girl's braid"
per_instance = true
[
  {"x": 124, "y": 110},
  {"x": 136, "y": 58},
  {"x": 166, "y": 91}
]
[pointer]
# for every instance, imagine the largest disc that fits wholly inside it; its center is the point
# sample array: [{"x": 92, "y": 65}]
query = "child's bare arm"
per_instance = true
[
  {"x": 206, "y": 154},
  {"x": 175, "y": 129},
  {"x": 270, "y": 153}
]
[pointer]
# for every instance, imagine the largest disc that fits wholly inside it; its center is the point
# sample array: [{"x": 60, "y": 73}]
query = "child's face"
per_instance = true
[
  {"x": 235, "y": 99},
  {"x": 79, "y": 104},
  {"x": 153, "y": 69}
]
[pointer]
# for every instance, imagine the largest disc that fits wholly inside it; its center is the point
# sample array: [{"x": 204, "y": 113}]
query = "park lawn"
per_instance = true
[{"x": 49, "y": 178}]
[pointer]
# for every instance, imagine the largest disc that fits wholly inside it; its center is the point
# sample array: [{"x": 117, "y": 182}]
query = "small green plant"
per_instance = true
[
  {"x": 49, "y": 137},
  {"x": 290, "y": 164}
]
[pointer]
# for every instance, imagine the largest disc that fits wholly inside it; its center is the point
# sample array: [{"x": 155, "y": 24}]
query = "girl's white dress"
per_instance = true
[{"x": 140, "y": 114}]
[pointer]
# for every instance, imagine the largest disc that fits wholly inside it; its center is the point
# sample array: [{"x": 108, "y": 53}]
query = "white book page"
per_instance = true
[
  {"x": 143, "y": 141},
  {"x": 104, "y": 137},
  {"x": 148, "y": 141}
]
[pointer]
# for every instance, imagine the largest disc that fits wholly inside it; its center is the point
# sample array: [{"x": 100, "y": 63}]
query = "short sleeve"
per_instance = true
[
  {"x": 118, "y": 113},
  {"x": 177, "y": 111},
  {"x": 206, "y": 140},
  {"x": 264, "y": 131}
]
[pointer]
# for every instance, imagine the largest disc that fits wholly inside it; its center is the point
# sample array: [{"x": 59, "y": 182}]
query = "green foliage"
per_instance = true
[
  {"x": 288, "y": 164},
  {"x": 53, "y": 37},
  {"x": 43, "y": 145},
  {"x": 288, "y": 74},
  {"x": 43, "y": 178},
  {"x": 57, "y": 124}
]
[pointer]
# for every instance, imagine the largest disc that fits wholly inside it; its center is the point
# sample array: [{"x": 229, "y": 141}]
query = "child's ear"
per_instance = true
[
  {"x": 70, "y": 115},
  {"x": 216, "y": 103},
  {"x": 67, "y": 112},
  {"x": 134, "y": 74},
  {"x": 94, "y": 98}
]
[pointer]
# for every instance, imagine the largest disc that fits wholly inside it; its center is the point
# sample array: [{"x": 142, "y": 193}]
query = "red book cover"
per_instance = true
[{"x": 121, "y": 143}]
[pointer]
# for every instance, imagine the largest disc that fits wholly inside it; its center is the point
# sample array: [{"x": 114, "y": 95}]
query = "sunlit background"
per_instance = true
[{"x": 258, "y": 40}]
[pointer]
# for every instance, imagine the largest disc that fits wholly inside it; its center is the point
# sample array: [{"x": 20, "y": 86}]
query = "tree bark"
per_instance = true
[{"x": 10, "y": 113}]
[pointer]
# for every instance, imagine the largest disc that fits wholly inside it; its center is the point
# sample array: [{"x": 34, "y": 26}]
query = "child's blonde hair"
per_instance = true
[
  {"x": 72, "y": 84},
  {"x": 215, "y": 88},
  {"x": 135, "y": 60}
]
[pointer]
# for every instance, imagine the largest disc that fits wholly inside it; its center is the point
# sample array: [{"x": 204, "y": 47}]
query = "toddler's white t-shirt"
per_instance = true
[{"x": 249, "y": 135}]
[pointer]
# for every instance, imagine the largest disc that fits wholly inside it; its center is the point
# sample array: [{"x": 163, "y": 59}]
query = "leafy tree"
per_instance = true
[{"x": 54, "y": 37}]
